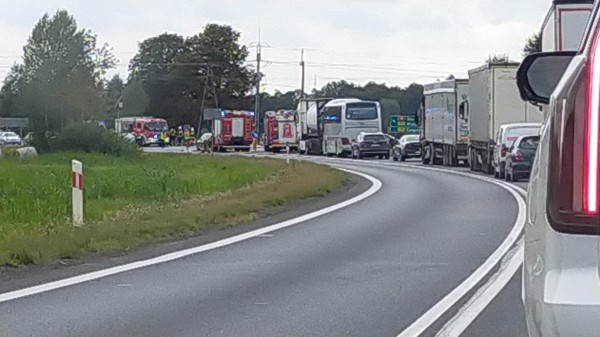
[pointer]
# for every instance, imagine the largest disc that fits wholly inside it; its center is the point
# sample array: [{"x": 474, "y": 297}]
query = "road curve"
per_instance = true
[{"x": 367, "y": 270}]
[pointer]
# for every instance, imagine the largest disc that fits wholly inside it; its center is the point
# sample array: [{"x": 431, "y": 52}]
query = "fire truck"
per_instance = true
[
  {"x": 233, "y": 131},
  {"x": 146, "y": 130},
  {"x": 280, "y": 131}
]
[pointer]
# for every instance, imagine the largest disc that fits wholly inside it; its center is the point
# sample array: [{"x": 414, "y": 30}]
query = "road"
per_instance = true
[{"x": 370, "y": 269}]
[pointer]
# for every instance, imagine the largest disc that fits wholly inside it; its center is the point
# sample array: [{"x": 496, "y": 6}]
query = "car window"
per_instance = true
[
  {"x": 513, "y": 133},
  {"x": 529, "y": 143},
  {"x": 374, "y": 138}
]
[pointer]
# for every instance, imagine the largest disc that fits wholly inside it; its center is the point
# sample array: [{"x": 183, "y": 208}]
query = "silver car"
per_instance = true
[{"x": 561, "y": 274}]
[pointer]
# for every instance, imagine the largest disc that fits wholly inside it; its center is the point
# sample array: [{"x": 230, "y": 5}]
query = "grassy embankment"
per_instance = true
[{"x": 129, "y": 203}]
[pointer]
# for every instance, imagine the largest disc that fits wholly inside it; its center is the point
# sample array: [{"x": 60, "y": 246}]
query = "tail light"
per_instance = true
[
  {"x": 518, "y": 156},
  {"x": 503, "y": 151},
  {"x": 573, "y": 163},
  {"x": 345, "y": 141}
]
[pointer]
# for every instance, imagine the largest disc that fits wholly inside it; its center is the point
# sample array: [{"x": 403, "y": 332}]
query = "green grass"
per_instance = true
[{"x": 129, "y": 203}]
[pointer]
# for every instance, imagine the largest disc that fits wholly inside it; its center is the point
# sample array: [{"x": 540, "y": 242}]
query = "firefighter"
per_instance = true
[
  {"x": 179, "y": 135},
  {"x": 192, "y": 133},
  {"x": 163, "y": 137},
  {"x": 172, "y": 136}
]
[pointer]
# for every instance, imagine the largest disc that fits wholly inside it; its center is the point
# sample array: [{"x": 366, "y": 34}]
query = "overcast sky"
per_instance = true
[{"x": 397, "y": 42}]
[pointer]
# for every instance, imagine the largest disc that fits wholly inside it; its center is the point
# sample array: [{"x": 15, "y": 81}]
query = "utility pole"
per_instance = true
[
  {"x": 258, "y": 78},
  {"x": 303, "y": 66}
]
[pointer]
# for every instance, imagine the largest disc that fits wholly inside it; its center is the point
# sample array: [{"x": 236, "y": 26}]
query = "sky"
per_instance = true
[{"x": 396, "y": 42}]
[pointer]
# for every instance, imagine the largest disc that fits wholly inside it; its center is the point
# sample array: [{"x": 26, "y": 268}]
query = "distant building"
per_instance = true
[{"x": 14, "y": 124}]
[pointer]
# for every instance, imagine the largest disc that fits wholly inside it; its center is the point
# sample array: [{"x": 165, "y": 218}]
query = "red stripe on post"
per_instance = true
[
  {"x": 73, "y": 179},
  {"x": 80, "y": 181}
]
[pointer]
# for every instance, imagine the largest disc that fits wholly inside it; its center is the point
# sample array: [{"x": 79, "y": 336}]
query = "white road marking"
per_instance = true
[
  {"x": 455, "y": 326},
  {"x": 486, "y": 293},
  {"x": 13, "y": 295}
]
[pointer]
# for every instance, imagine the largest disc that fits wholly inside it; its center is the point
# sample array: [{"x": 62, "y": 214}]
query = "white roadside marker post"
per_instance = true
[
  {"x": 77, "y": 191},
  {"x": 287, "y": 151}
]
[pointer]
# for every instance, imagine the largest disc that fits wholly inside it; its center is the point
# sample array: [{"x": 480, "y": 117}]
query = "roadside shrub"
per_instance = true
[{"x": 92, "y": 139}]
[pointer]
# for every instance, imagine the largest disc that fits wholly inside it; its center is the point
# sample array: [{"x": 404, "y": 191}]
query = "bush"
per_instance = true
[{"x": 92, "y": 139}]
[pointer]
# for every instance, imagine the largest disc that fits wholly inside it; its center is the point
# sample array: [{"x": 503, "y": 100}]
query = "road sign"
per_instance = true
[{"x": 394, "y": 123}]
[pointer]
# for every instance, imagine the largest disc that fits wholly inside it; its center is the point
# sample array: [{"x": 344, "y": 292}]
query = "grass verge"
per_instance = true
[{"x": 129, "y": 204}]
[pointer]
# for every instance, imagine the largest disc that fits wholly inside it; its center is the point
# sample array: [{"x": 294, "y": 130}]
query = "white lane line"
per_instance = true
[
  {"x": 9, "y": 296},
  {"x": 484, "y": 296}
]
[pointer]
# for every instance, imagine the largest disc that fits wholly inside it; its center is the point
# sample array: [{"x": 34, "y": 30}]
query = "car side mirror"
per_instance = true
[{"x": 540, "y": 73}]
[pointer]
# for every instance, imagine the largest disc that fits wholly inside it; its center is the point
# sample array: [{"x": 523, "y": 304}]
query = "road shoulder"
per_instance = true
[{"x": 26, "y": 276}]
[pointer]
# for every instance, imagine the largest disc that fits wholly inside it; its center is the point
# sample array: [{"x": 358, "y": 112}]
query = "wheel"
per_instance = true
[
  {"x": 359, "y": 155},
  {"x": 513, "y": 178},
  {"x": 395, "y": 158},
  {"x": 434, "y": 160},
  {"x": 507, "y": 176},
  {"x": 387, "y": 157},
  {"x": 402, "y": 158},
  {"x": 497, "y": 174},
  {"x": 471, "y": 160}
]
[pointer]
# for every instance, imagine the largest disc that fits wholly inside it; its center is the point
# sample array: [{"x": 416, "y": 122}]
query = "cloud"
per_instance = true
[{"x": 392, "y": 41}]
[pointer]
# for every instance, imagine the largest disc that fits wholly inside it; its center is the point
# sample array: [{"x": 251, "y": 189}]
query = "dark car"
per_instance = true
[
  {"x": 520, "y": 158},
  {"x": 371, "y": 145},
  {"x": 408, "y": 146}
]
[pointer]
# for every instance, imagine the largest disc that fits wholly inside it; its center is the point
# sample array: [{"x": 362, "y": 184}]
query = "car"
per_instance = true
[
  {"x": 408, "y": 146},
  {"x": 519, "y": 159},
  {"x": 10, "y": 138},
  {"x": 506, "y": 135},
  {"x": 561, "y": 273},
  {"x": 370, "y": 145}
]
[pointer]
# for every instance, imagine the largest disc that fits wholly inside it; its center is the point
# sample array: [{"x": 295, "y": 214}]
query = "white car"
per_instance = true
[
  {"x": 10, "y": 138},
  {"x": 506, "y": 135},
  {"x": 561, "y": 274}
]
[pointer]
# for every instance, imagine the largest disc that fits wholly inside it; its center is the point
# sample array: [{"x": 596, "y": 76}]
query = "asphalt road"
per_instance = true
[{"x": 367, "y": 270}]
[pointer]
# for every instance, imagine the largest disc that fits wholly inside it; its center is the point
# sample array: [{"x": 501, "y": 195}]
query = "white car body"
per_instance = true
[
  {"x": 506, "y": 135},
  {"x": 10, "y": 138}
]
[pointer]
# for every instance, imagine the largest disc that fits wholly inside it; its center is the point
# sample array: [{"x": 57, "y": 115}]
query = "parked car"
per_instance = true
[
  {"x": 10, "y": 138},
  {"x": 520, "y": 158},
  {"x": 506, "y": 135},
  {"x": 371, "y": 145},
  {"x": 561, "y": 283},
  {"x": 408, "y": 146}
]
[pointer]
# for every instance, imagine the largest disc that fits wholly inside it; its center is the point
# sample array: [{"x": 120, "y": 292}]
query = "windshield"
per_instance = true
[
  {"x": 529, "y": 143},
  {"x": 410, "y": 139},
  {"x": 513, "y": 133},
  {"x": 10, "y": 134},
  {"x": 374, "y": 138},
  {"x": 156, "y": 126},
  {"x": 361, "y": 111}
]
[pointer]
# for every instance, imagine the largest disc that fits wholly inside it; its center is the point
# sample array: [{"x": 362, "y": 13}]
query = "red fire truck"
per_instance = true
[
  {"x": 147, "y": 130},
  {"x": 280, "y": 130},
  {"x": 233, "y": 131}
]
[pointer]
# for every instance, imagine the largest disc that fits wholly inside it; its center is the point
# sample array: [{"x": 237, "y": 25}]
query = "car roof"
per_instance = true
[{"x": 520, "y": 125}]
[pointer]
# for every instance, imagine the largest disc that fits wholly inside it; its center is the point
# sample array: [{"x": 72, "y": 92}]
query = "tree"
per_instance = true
[
  {"x": 498, "y": 58},
  {"x": 135, "y": 99},
  {"x": 533, "y": 45},
  {"x": 60, "y": 79},
  {"x": 113, "y": 94}
]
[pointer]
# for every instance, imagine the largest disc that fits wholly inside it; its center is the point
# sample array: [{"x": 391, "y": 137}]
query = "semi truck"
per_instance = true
[
  {"x": 309, "y": 125},
  {"x": 444, "y": 128},
  {"x": 280, "y": 131},
  {"x": 493, "y": 100},
  {"x": 233, "y": 131}
]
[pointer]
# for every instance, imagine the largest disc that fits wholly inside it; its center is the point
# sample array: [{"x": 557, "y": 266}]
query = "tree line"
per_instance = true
[{"x": 60, "y": 80}]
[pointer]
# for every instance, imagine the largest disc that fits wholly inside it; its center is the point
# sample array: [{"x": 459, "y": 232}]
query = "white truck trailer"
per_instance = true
[
  {"x": 444, "y": 128},
  {"x": 565, "y": 23},
  {"x": 493, "y": 100}
]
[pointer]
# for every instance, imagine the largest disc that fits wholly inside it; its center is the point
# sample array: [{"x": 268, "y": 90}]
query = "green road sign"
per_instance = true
[{"x": 393, "y": 123}]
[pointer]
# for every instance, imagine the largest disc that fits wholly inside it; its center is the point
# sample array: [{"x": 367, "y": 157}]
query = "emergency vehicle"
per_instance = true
[
  {"x": 233, "y": 131},
  {"x": 146, "y": 130},
  {"x": 280, "y": 130}
]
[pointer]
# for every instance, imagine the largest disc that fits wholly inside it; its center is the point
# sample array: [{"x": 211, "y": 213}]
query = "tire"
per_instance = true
[
  {"x": 402, "y": 158},
  {"x": 513, "y": 178},
  {"x": 359, "y": 155},
  {"x": 507, "y": 176},
  {"x": 395, "y": 158},
  {"x": 497, "y": 174},
  {"x": 471, "y": 160},
  {"x": 387, "y": 157}
]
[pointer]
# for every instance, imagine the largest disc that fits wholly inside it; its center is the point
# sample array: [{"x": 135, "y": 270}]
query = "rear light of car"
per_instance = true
[
  {"x": 574, "y": 152},
  {"x": 345, "y": 141},
  {"x": 518, "y": 156}
]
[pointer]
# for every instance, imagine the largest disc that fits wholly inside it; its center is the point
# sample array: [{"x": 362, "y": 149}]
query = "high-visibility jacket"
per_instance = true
[
  {"x": 163, "y": 135},
  {"x": 186, "y": 134}
]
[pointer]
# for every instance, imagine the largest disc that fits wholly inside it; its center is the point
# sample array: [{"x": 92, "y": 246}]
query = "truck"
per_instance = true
[
  {"x": 493, "y": 100},
  {"x": 444, "y": 128},
  {"x": 233, "y": 131},
  {"x": 144, "y": 131},
  {"x": 280, "y": 130},
  {"x": 564, "y": 24},
  {"x": 309, "y": 125}
]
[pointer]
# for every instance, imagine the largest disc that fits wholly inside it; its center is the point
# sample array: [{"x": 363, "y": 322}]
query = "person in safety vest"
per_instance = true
[
  {"x": 179, "y": 135},
  {"x": 163, "y": 138},
  {"x": 193, "y": 133},
  {"x": 172, "y": 136}
]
